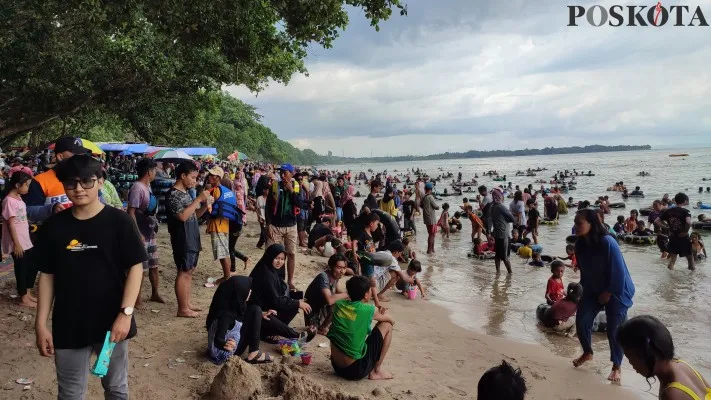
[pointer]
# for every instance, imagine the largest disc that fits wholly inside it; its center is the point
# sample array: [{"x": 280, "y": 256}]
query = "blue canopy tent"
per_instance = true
[
  {"x": 132, "y": 147},
  {"x": 126, "y": 153},
  {"x": 199, "y": 151}
]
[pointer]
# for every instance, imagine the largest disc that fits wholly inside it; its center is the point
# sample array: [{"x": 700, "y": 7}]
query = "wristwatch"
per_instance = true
[{"x": 128, "y": 311}]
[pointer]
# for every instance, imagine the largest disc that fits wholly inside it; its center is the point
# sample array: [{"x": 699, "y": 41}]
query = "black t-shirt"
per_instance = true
[
  {"x": 89, "y": 260},
  {"x": 371, "y": 202},
  {"x": 365, "y": 242},
  {"x": 676, "y": 219},
  {"x": 533, "y": 216},
  {"x": 317, "y": 232},
  {"x": 184, "y": 236},
  {"x": 314, "y": 293},
  {"x": 408, "y": 208}
]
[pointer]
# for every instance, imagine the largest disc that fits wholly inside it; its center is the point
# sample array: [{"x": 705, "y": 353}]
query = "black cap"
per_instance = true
[{"x": 72, "y": 144}]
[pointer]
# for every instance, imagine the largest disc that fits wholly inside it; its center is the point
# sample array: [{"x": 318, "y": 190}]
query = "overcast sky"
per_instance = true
[{"x": 456, "y": 75}]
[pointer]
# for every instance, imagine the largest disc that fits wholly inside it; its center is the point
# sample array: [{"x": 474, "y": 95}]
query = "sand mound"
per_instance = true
[{"x": 238, "y": 380}]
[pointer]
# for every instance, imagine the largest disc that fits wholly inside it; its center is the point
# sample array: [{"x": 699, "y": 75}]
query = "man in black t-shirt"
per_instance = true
[
  {"x": 320, "y": 234},
  {"x": 91, "y": 258},
  {"x": 678, "y": 221},
  {"x": 408, "y": 211},
  {"x": 372, "y": 200}
]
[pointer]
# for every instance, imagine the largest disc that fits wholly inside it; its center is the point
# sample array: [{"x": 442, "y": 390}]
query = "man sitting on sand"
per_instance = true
[{"x": 357, "y": 350}]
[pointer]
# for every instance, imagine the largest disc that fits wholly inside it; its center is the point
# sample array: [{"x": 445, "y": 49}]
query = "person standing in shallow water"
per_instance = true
[
  {"x": 428, "y": 215},
  {"x": 606, "y": 285}
]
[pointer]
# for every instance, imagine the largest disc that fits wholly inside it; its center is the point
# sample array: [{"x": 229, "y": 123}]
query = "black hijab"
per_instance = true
[
  {"x": 269, "y": 291},
  {"x": 229, "y": 300}
]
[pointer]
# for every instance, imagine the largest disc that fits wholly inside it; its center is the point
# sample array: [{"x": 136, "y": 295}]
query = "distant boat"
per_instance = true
[{"x": 678, "y": 155}]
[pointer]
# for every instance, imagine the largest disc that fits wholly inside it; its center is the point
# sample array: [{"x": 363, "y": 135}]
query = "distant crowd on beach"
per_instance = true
[{"x": 371, "y": 247}]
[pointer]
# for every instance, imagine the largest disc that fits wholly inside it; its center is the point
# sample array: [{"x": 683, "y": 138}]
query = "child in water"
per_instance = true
[
  {"x": 570, "y": 251},
  {"x": 515, "y": 243},
  {"x": 533, "y": 220},
  {"x": 454, "y": 224},
  {"x": 641, "y": 230},
  {"x": 443, "y": 222},
  {"x": 619, "y": 227},
  {"x": 477, "y": 225},
  {"x": 555, "y": 290},
  {"x": 537, "y": 262},
  {"x": 631, "y": 222},
  {"x": 525, "y": 251},
  {"x": 697, "y": 247},
  {"x": 481, "y": 249},
  {"x": 413, "y": 268},
  {"x": 560, "y": 316},
  {"x": 407, "y": 254}
]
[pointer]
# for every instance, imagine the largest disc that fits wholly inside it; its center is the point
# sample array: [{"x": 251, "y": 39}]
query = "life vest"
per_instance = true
[
  {"x": 225, "y": 206},
  {"x": 52, "y": 188}
]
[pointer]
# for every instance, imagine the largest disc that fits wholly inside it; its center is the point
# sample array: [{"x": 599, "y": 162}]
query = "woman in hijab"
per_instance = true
[
  {"x": 272, "y": 293},
  {"x": 232, "y": 325},
  {"x": 318, "y": 196},
  {"x": 350, "y": 211}
]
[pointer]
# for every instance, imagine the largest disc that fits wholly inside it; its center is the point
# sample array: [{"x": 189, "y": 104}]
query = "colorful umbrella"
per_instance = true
[
  {"x": 87, "y": 144},
  {"x": 170, "y": 155},
  {"x": 237, "y": 156}
]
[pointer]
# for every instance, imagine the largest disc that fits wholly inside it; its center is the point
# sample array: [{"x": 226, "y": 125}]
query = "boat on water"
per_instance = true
[{"x": 678, "y": 155}]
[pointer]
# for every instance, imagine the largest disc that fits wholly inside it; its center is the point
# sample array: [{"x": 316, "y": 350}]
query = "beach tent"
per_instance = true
[{"x": 199, "y": 151}]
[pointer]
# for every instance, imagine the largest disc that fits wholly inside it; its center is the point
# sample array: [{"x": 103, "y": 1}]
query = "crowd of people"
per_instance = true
[{"x": 92, "y": 254}]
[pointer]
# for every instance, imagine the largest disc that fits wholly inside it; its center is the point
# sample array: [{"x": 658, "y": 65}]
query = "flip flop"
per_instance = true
[
  {"x": 307, "y": 336},
  {"x": 256, "y": 360},
  {"x": 271, "y": 339}
]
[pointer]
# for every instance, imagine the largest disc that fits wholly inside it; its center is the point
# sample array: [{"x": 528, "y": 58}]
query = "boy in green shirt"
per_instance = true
[{"x": 356, "y": 350}]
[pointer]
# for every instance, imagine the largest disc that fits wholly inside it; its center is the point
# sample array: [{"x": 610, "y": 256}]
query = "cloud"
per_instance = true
[{"x": 494, "y": 75}]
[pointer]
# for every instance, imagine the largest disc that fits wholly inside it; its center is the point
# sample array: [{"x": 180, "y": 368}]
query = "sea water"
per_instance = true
[{"x": 505, "y": 305}]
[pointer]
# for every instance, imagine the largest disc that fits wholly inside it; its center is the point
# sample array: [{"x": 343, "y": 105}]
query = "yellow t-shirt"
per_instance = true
[
  {"x": 525, "y": 251},
  {"x": 220, "y": 225}
]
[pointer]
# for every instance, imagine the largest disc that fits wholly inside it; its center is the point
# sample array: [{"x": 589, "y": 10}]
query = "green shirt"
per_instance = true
[{"x": 351, "y": 327}]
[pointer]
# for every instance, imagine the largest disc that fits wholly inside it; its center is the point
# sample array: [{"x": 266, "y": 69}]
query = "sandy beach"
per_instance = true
[{"x": 430, "y": 356}]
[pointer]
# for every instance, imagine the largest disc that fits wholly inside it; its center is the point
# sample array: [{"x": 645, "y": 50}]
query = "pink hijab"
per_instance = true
[
  {"x": 239, "y": 194},
  {"x": 348, "y": 194}
]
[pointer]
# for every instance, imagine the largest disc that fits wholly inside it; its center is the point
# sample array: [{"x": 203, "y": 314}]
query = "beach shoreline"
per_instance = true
[{"x": 431, "y": 357}]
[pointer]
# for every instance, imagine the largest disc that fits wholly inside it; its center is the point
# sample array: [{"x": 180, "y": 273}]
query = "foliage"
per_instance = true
[{"x": 154, "y": 64}]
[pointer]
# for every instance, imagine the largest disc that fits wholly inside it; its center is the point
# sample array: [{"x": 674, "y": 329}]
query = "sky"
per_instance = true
[{"x": 457, "y": 75}]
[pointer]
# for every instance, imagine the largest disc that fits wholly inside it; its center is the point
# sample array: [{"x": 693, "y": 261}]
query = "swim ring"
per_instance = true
[
  {"x": 617, "y": 205},
  {"x": 705, "y": 206},
  {"x": 633, "y": 196},
  {"x": 632, "y": 239},
  {"x": 549, "y": 221},
  {"x": 705, "y": 225},
  {"x": 599, "y": 323},
  {"x": 645, "y": 211},
  {"x": 571, "y": 239}
]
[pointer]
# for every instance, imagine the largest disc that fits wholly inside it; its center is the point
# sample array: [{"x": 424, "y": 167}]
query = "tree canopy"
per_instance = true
[{"x": 155, "y": 65}]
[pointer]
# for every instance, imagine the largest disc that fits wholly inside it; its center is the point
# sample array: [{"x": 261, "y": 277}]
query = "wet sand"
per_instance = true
[{"x": 431, "y": 357}]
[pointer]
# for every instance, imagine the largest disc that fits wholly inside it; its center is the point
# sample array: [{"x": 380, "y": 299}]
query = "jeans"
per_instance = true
[
  {"x": 235, "y": 232},
  {"x": 339, "y": 214},
  {"x": 616, "y": 314},
  {"x": 73, "y": 372}
]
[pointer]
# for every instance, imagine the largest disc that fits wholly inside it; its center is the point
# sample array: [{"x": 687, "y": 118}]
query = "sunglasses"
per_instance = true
[{"x": 86, "y": 183}]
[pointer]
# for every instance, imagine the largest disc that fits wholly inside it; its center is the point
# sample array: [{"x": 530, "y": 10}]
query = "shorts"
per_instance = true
[
  {"x": 220, "y": 245},
  {"x": 502, "y": 249},
  {"x": 362, "y": 367},
  {"x": 152, "y": 250},
  {"x": 662, "y": 242},
  {"x": 680, "y": 246},
  {"x": 432, "y": 229},
  {"x": 186, "y": 261},
  {"x": 286, "y": 235},
  {"x": 301, "y": 224}
]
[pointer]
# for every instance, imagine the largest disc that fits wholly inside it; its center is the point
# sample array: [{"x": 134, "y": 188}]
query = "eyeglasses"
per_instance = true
[{"x": 86, "y": 183}]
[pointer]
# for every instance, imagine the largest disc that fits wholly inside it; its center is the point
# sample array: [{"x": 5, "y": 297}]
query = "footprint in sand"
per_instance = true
[
  {"x": 460, "y": 363},
  {"x": 457, "y": 391}
]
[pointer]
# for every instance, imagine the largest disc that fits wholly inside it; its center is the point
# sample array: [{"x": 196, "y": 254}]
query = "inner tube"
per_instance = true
[
  {"x": 571, "y": 239},
  {"x": 617, "y": 205},
  {"x": 632, "y": 239},
  {"x": 645, "y": 211},
  {"x": 549, "y": 222},
  {"x": 489, "y": 256},
  {"x": 599, "y": 323},
  {"x": 706, "y": 225},
  {"x": 546, "y": 258},
  {"x": 633, "y": 196},
  {"x": 705, "y": 206}
]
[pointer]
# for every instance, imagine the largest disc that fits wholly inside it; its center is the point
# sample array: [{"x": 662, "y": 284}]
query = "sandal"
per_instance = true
[
  {"x": 271, "y": 339},
  {"x": 307, "y": 336},
  {"x": 256, "y": 360}
]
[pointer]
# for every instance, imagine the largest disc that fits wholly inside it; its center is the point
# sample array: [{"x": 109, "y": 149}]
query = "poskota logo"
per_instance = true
[{"x": 657, "y": 15}]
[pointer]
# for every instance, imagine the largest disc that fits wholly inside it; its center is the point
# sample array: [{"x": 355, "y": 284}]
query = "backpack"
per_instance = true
[
  {"x": 225, "y": 206},
  {"x": 152, "y": 208}
]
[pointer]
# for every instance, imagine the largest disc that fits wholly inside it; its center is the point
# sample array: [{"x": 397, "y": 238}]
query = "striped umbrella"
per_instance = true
[{"x": 170, "y": 155}]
